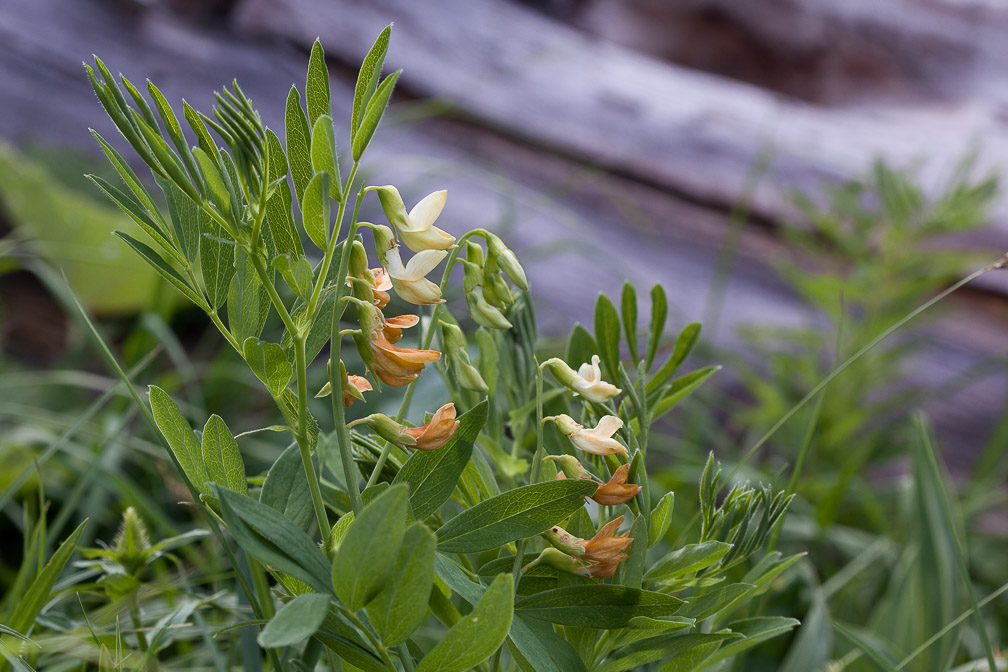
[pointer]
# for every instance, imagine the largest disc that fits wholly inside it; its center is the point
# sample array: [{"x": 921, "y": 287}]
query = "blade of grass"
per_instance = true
[
  {"x": 946, "y": 508},
  {"x": 880, "y": 658}
]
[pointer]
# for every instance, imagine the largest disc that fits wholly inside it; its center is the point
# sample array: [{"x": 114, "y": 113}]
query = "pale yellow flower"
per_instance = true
[
  {"x": 409, "y": 280},
  {"x": 597, "y": 440},
  {"x": 416, "y": 229},
  {"x": 589, "y": 383}
]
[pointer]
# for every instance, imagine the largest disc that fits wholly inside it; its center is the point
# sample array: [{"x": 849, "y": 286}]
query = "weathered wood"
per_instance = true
[
  {"x": 545, "y": 82},
  {"x": 493, "y": 178}
]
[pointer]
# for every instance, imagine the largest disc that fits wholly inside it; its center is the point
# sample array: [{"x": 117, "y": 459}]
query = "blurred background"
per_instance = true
[{"x": 798, "y": 174}]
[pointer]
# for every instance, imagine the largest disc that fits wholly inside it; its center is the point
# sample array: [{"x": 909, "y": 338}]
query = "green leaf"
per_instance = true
[
  {"x": 223, "y": 460},
  {"x": 264, "y": 533},
  {"x": 298, "y": 142},
  {"x": 433, "y": 474},
  {"x": 660, "y": 519},
  {"x": 659, "y": 313},
  {"x": 680, "y": 389},
  {"x": 368, "y": 554},
  {"x": 628, "y": 307},
  {"x": 278, "y": 206},
  {"x": 600, "y": 606},
  {"x": 631, "y": 571},
  {"x": 180, "y": 437},
  {"x": 286, "y": 488},
  {"x": 372, "y": 115},
  {"x": 694, "y": 648},
  {"x": 687, "y": 560},
  {"x": 288, "y": 405},
  {"x": 515, "y": 514},
  {"x": 298, "y": 274},
  {"x": 317, "y": 84},
  {"x": 401, "y": 606},
  {"x": 684, "y": 346},
  {"x": 216, "y": 261},
  {"x": 640, "y": 653},
  {"x": 183, "y": 212},
  {"x": 323, "y": 153},
  {"x": 607, "y": 334},
  {"x": 269, "y": 363},
  {"x": 754, "y": 631},
  {"x": 475, "y": 638},
  {"x": 316, "y": 209},
  {"x": 299, "y": 619},
  {"x": 173, "y": 128},
  {"x": 541, "y": 648},
  {"x": 367, "y": 78},
  {"x": 39, "y": 593},
  {"x": 248, "y": 304},
  {"x": 218, "y": 191},
  {"x": 580, "y": 346},
  {"x": 161, "y": 266},
  {"x": 129, "y": 205},
  {"x": 129, "y": 177},
  {"x": 710, "y": 603}
]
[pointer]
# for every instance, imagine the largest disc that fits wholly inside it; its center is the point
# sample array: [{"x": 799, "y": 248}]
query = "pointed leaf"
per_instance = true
[
  {"x": 162, "y": 267},
  {"x": 687, "y": 560},
  {"x": 367, "y": 78},
  {"x": 684, "y": 346},
  {"x": 600, "y": 606},
  {"x": 323, "y": 153},
  {"x": 40, "y": 591},
  {"x": 367, "y": 556},
  {"x": 660, "y": 519},
  {"x": 317, "y": 84},
  {"x": 278, "y": 206},
  {"x": 607, "y": 334},
  {"x": 432, "y": 475},
  {"x": 298, "y": 143},
  {"x": 180, "y": 437},
  {"x": 401, "y": 606},
  {"x": 373, "y": 114},
  {"x": 286, "y": 488},
  {"x": 512, "y": 515},
  {"x": 475, "y": 638},
  {"x": 223, "y": 460},
  {"x": 628, "y": 307},
  {"x": 269, "y": 363},
  {"x": 659, "y": 313},
  {"x": 315, "y": 208}
]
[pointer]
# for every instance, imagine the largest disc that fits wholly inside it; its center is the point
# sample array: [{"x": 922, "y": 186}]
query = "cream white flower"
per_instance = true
[
  {"x": 589, "y": 383},
  {"x": 416, "y": 229},
  {"x": 598, "y": 440},
  {"x": 409, "y": 280}
]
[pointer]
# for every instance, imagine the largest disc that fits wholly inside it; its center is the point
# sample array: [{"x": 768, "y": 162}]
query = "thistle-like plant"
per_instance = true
[{"x": 517, "y": 545}]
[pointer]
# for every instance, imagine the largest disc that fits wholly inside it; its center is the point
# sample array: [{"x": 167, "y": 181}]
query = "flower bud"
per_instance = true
[
  {"x": 384, "y": 240},
  {"x": 564, "y": 540},
  {"x": 570, "y": 466},
  {"x": 387, "y": 428},
  {"x": 452, "y": 338},
  {"x": 507, "y": 261},
  {"x": 483, "y": 313},
  {"x": 392, "y": 204},
  {"x": 564, "y": 374},
  {"x": 474, "y": 253},
  {"x": 368, "y": 315},
  {"x": 565, "y": 424},
  {"x": 359, "y": 262},
  {"x": 557, "y": 559},
  {"x": 456, "y": 352}
]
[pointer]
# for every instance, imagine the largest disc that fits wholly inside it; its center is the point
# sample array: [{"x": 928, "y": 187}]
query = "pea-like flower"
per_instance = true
[
  {"x": 409, "y": 280},
  {"x": 394, "y": 326},
  {"x": 382, "y": 283},
  {"x": 599, "y": 556},
  {"x": 437, "y": 432},
  {"x": 616, "y": 490},
  {"x": 394, "y": 366},
  {"x": 416, "y": 229},
  {"x": 598, "y": 440},
  {"x": 355, "y": 389},
  {"x": 586, "y": 381},
  {"x": 605, "y": 547}
]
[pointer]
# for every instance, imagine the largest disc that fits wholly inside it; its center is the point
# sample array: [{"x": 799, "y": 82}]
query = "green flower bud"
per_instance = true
[
  {"x": 359, "y": 261},
  {"x": 557, "y": 559},
  {"x": 483, "y": 313},
  {"x": 564, "y": 374},
  {"x": 507, "y": 261},
  {"x": 387, "y": 428},
  {"x": 392, "y": 204},
  {"x": 452, "y": 339},
  {"x": 565, "y": 424},
  {"x": 368, "y": 315},
  {"x": 563, "y": 540},
  {"x": 474, "y": 253},
  {"x": 384, "y": 240},
  {"x": 132, "y": 542},
  {"x": 569, "y": 465},
  {"x": 456, "y": 353}
]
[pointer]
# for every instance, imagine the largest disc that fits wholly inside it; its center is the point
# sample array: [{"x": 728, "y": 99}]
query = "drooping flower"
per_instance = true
[
  {"x": 586, "y": 381},
  {"x": 438, "y": 431},
  {"x": 598, "y": 440},
  {"x": 394, "y": 366},
  {"x": 416, "y": 229},
  {"x": 605, "y": 547},
  {"x": 409, "y": 280},
  {"x": 394, "y": 326},
  {"x": 617, "y": 490},
  {"x": 599, "y": 556},
  {"x": 382, "y": 283},
  {"x": 387, "y": 428}
]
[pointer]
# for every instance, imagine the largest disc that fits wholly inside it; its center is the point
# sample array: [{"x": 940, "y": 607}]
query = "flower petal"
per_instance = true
[
  {"x": 427, "y": 210},
  {"x": 420, "y": 264}
]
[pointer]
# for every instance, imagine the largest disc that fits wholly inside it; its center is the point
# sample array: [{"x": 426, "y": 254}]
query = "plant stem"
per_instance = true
[
  {"x": 331, "y": 248},
  {"x": 302, "y": 436},
  {"x": 405, "y": 657},
  {"x": 375, "y": 642},
  {"x": 152, "y": 663}
]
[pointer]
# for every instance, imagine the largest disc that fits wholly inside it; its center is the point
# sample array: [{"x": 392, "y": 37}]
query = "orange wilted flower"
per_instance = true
[
  {"x": 398, "y": 366},
  {"x": 360, "y": 383},
  {"x": 605, "y": 547},
  {"x": 382, "y": 283},
  {"x": 616, "y": 491},
  {"x": 437, "y": 432},
  {"x": 394, "y": 326}
]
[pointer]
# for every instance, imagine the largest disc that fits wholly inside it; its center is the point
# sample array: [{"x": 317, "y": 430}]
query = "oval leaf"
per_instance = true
[
  {"x": 221, "y": 455},
  {"x": 296, "y": 621},
  {"x": 597, "y": 605},
  {"x": 400, "y": 607}
]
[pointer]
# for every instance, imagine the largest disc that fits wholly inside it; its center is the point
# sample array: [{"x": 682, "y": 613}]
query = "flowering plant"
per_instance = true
[{"x": 458, "y": 535}]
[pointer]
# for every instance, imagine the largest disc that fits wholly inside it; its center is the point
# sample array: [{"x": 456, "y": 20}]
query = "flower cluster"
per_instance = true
[{"x": 601, "y": 555}]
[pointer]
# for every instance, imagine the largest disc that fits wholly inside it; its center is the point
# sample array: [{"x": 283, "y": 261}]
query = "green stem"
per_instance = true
[
  {"x": 335, "y": 381},
  {"x": 302, "y": 436},
  {"x": 405, "y": 657},
  {"x": 152, "y": 663},
  {"x": 331, "y": 247},
  {"x": 375, "y": 642}
]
